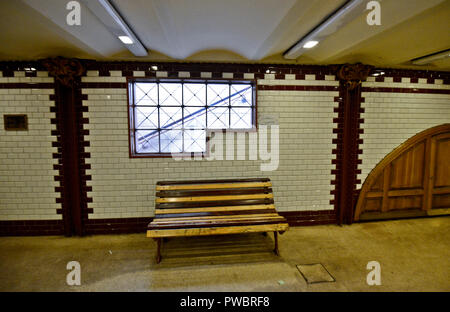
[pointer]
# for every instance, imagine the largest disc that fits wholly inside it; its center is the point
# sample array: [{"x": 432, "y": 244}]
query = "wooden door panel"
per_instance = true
[
  {"x": 405, "y": 203},
  {"x": 441, "y": 201},
  {"x": 408, "y": 169},
  {"x": 442, "y": 163},
  {"x": 412, "y": 180}
]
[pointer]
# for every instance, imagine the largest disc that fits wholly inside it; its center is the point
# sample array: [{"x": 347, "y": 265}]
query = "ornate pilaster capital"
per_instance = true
[
  {"x": 353, "y": 74},
  {"x": 64, "y": 70}
]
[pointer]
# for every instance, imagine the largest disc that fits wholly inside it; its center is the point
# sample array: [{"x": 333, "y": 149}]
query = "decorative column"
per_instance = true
[
  {"x": 350, "y": 77},
  {"x": 67, "y": 74}
]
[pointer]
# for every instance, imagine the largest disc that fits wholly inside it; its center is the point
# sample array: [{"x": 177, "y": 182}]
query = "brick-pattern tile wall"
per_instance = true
[
  {"x": 124, "y": 187},
  {"x": 392, "y": 117},
  {"x": 27, "y": 174}
]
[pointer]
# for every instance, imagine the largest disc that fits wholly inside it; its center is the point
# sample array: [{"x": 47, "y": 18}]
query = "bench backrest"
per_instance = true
[{"x": 214, "y": 197}]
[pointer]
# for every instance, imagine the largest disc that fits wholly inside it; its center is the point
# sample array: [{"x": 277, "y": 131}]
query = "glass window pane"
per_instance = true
[
  {"x": 218, "y": 117},
  {"x": 241, "y": 118},
  {"x": 194, "y": 141},
  {"x": 170, "y": 117},
  {"x": 147, "y": 141},
  {"x": 218, "y": 94},
  {"x": 170, "y": 94},
  {"x": 194, "y": 94},
  {"x": 146, "y": 93},
  {"x": 171, "y": 141},
  {"x": 183, "y": 112},
  {"x": 241, "y": 95},
  {"x": 194, "y": 117},
  {"x": 146, "y": 117}
]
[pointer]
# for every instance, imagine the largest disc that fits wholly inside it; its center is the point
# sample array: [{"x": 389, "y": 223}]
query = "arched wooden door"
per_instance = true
[{"x": 412, "y": 180}]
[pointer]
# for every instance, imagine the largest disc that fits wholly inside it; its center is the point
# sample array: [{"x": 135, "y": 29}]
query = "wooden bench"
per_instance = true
[{"x": 211, "y": 207}]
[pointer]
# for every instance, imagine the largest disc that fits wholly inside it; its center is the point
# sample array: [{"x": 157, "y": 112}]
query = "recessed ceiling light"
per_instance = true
[
  {"x": 126, "y": 39},
  {"x": 310, "y": 44}
]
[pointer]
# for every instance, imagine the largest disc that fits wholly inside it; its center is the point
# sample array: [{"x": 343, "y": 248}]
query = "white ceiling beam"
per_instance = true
[
  {"x": 88, "y": 33},
  {"x": 330, "y": 25},
  {"x": 115, "y": 24},
  {"x": 428, "y": 59}
]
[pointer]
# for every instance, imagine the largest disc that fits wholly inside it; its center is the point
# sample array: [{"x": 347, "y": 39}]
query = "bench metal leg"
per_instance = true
[
  {"x": 275, "y": 236},
  {"x": 158, "y": 250}
]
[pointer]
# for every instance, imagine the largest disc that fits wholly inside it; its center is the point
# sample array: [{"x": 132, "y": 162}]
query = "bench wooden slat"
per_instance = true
[
  {"x": 276, "y": 227},
  {"x": 214, "y": 213},
  {"x": 212, "y": 198},
  {"x": 238, "y": 202},
  {"x": 211, "y": 209},
  {"x": 212, "y": 224},
  {"x": 212, "y": 181},
  {"x": 213, "y": 192},
  {"x": 212, "y": 186},
  {"x": 229, "y": 217}
]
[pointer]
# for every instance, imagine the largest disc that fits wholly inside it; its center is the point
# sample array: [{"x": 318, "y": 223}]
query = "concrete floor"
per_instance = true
[{"x": 414, "y": 255}]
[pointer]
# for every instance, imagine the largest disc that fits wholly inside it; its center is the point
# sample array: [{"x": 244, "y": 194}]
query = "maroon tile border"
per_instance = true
[
  {"x": 104, "y": 85},
  {"x": 120, "y": 85},
  {"x": 31, "y": 227},
  {"x": 337, "y": 151},
  {"x": 116, "y": 225},
  {"x": 27, "y": 85},
  {"x": 414, "y": 74},
  {"x": 238, "y": 69},
  {"x": 302, "y": 218},
  {"x": 405, "y": 90},
  {"x": 348, "y": 142},
  {"x": 297, "y": 88},
  {"x": 83, "y": 155}
]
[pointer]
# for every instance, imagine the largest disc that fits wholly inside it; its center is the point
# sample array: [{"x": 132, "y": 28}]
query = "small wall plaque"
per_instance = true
[{"x": 15, "y": 122}]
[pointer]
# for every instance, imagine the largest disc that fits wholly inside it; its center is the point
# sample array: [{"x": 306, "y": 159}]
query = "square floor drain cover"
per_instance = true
[{"x": 315, "y": 273}]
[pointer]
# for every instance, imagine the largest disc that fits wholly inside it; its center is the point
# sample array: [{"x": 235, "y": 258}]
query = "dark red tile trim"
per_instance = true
[
  {"x": 297, "y": 88},
  {"x": 120, "y": 85},
  {"x": 303, "y": 218},
  {"x": 26, "y": 85},
  {"x": 347, "y": 151},
  {"x": 104, "y": 85},
  {"x": 416, "y": 74},
  {"x": 406, "y": 90},
  {"x": 31, "y": 227},
  {"x": 338, "y": 129},
  {"x": 116, "y": 226},
  {"x": 215, "y": 68}
]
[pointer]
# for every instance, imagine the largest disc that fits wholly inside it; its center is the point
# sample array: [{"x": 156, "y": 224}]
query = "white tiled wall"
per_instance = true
[
  {"x": 27, "y": 186},
  {"x": 392, "y": 118},
  {"x": 124, "y": 187}
]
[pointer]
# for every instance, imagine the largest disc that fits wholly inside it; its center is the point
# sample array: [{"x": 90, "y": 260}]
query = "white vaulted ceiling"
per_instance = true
[{"x": 228, "y": 31}]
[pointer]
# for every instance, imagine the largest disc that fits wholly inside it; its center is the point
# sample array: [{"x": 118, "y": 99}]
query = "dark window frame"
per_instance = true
[{"x": 131, "y": 113}]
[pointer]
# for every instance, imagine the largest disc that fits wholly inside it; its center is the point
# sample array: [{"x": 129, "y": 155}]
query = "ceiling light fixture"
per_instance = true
[
  {"x": 430, "y": 58},
  {"x": 126, "y": 39},
  {"x": 310, "y": 44},
  {"x": 111, "y": 18},
  {"x": 331, "y": 24}
]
